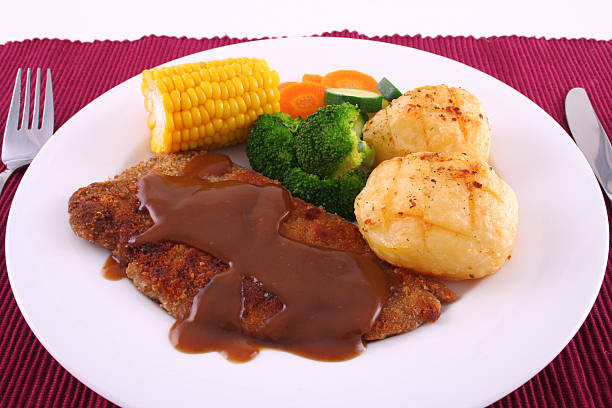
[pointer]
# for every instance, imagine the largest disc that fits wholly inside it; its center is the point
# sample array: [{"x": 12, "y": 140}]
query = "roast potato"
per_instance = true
[
  {"x": 441, "y": 214},
  {"x": 430, "y": 119}
]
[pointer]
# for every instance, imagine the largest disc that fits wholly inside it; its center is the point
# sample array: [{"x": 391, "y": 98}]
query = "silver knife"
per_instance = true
[{"x": 590, "y": 136}]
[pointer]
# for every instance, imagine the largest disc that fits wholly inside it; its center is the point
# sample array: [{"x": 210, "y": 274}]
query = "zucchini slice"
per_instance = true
[
  {"x": 366, "y": 101},
  {"x": 388, "y": 90}
]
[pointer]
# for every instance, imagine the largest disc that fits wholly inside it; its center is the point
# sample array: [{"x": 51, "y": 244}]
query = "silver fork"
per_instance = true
[{"x": 21, "y": 144}]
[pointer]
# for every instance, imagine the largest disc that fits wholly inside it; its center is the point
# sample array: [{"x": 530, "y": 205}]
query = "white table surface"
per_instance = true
[{"x": 132, "y": 19}]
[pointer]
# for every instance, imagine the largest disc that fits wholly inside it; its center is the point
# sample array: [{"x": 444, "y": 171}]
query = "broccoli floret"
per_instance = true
[
  {"x": 336, "y": 195},
  {"x": 271, "y": 144},
  {"x": 271, "y": 150},
  {"x": 328, "y": 144}
]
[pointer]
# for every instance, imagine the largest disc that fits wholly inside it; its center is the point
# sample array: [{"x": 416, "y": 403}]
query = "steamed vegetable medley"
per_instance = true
[{"x": 315, "y": 147}]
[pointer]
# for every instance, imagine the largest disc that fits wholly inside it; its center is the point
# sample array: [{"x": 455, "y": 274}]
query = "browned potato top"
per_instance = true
[{"x": 442, "y": 214}]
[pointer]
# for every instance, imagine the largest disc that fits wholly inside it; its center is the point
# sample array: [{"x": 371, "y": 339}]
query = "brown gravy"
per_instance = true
[
  {"x": 113, "y": 269},
  {"x": 330, "y": 297}
]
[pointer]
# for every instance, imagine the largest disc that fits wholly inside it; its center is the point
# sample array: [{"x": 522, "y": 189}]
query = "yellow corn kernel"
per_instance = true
[
  {"x": 263, "y": 96},
  {"x": 226, "y": 109},
  {"x": 247, "y": 99},
  {"x": 175, "y": 97},
  {"x": 272, "y": 95},
  {"x": 169, "y": 125},
  {"x": 219, "y": 107},
  {"x": 178, "y": 120},
  {"x": 244, "y": 80},
  {"x": 196, "y": 77},
  {"x": 222, "y": 73},
  {"x": 178, "y": 83},
  {"x": 210, "y": 130},
  {"x": 214, "y": 74},
  {"x": 196, "y": 116},
  {"x": 255, "y": 102},
  {"x": 188, "y": 81},
  {"x": 168, "y": 83},
  {"x": 238, "y": 86},
  {"x": 161, "y": 85},
  {"x": 194, "y": 133},
  {"x": 241, "y": 119},
  {"x": 193, "y": 96},
  {"x": 216, "y": 91},
  {"x": 234, "y": 109},
  {"x": 209, "y": 104},
  {"x": 187, "y": 120},
  {"x": 185, "y": 101},
  {"x": 231, "y": 123},
  {"x": 185, "y": 133},
  {"x": 210, "y": 107},
  {"x": 167, "y": 102},
  {"x": 224, "y": 91},
  {"x": 231, "y": 89},
  {"x": 200, "y": 93},
  {"x": 224, "y": 131},
  {"x": 253, "y": 85},
  {"x": 207, "y": 88},
  {"x": 204, "y": 114},
  {"x": 260, "y": 80},
  {"x": 217, "y": 123},
  {"x": 205, "y": 75},
  {"x": 242, "y": 107}
]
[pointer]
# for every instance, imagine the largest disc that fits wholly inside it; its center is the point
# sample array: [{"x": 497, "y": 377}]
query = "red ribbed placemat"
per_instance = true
[{"x": 543, "y": 70}]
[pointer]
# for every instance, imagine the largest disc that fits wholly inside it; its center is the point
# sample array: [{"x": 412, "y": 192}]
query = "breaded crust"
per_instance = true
[{"x": 108, "y": 214}]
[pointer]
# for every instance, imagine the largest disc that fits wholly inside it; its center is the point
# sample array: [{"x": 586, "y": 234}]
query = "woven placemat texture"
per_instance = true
[{"x": 543, "y": 70}]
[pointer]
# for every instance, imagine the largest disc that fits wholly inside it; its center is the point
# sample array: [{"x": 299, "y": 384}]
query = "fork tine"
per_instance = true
[
  {"x": 25, "y": 119},
  {"x": 48, "y": 113},
  {"x": 12, "y": 122},
  {"x": 36, "y": 113}
]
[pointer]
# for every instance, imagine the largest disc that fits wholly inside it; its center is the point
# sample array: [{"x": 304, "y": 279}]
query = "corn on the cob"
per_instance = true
[{"x": 208, "y": 104}]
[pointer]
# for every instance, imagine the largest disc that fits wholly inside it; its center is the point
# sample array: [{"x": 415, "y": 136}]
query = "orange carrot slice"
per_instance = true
[
  {"x": 302, "y": 99},
  {"x": 312, "y": 78},
  {"x": 283, "y": 85},
  {"x": 349, "y": 79}
]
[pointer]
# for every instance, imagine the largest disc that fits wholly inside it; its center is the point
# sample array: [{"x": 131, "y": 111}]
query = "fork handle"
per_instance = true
[{"x": 4, "y": 176}]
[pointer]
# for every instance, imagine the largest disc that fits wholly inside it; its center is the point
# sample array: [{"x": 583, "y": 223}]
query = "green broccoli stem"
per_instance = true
[{"x": 368, "y": 152}]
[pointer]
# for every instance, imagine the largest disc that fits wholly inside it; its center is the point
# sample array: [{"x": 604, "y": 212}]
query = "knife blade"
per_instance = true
[{"x": 590, "y": 136}]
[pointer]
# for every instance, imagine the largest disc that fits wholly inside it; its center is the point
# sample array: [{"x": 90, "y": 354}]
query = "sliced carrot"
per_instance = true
[
  {"x": 349, "y": 79},
  {"x": 283, "y": 85},
  {"x": 312, "y": 78},
  {"x": 302, "y": 99}
]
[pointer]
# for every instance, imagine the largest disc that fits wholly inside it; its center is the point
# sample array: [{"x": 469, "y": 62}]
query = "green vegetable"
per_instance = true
[
  {"x": 271, "y": 144},
  {"x": 328, "y": 144},
  {"x": 388, "y": 90},
  {"x": 336, "y": 195},
  {"x": 367, "y": 101},
  {"x": 272, "y": 149}
]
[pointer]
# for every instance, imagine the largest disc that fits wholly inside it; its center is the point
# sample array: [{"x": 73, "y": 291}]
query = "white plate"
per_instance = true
[{"x": 500, "y": 332}]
